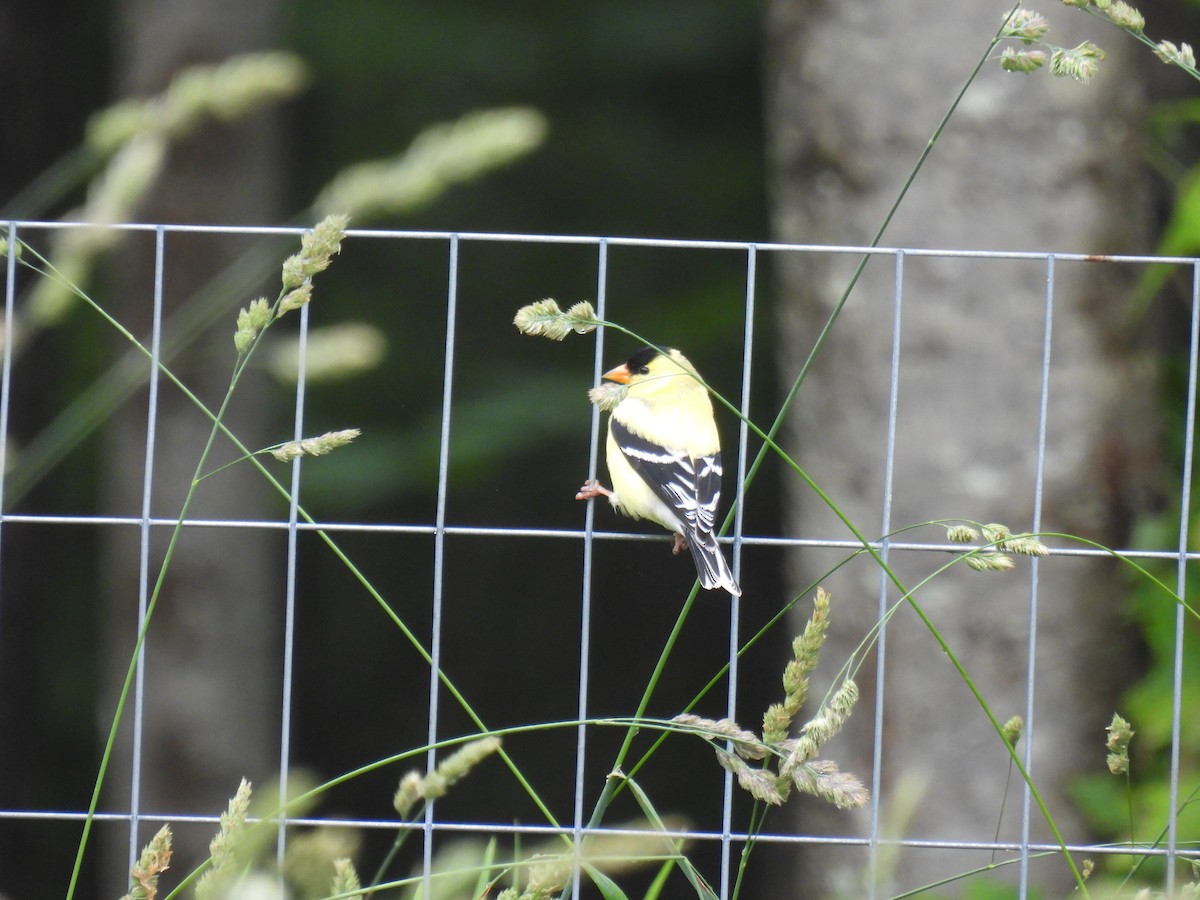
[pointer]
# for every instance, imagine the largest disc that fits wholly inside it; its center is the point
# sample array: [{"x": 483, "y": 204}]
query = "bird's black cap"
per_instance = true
[{"x": 643, "y": 357}]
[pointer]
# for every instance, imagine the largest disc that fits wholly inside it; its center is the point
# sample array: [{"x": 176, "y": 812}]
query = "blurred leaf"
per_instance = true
[
  {"x": 1181, "y": 237},
  {"x": 488, "y": 428}
]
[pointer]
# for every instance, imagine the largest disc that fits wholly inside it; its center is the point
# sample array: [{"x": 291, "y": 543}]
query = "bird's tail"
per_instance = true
[{"x": 710, "y": 562}]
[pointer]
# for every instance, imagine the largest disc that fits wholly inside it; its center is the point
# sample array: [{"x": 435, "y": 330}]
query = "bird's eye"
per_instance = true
[{"x": 643, "y": 370}]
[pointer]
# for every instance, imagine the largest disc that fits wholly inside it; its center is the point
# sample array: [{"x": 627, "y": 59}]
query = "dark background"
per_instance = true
[{"x": 655, "y": 130}]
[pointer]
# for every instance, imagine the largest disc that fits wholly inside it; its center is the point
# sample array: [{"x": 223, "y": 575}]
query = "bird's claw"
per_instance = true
[
  {"x": 591, "y": 490},
  {"x": 680, "y": 545}
]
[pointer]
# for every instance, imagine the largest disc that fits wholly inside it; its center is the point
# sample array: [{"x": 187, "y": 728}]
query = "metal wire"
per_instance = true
[
  {"x": 885, "y": 547},
  {"x": 727, "y": 837},
  {"x": 735, "y": 606},
  {"x": 439, "y": 547},
  {"x": 144, "y": 548},
  {"x": 1185, "y": 503},
  {"x": 579, "y": 813}
]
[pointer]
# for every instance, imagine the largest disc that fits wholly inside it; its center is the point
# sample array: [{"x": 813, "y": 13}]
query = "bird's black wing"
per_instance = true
[
  {"x": 691, "y": 486},
  {"x": 688, "y": 485}
]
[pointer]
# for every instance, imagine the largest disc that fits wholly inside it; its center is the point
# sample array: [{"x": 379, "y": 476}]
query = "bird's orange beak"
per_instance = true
[{"x": 620, "y": 374}]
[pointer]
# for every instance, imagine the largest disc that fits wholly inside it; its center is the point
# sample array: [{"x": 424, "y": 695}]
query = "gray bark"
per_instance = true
[
  {"x": 1028, "y": 162},
  {"x": 212, "y": 656}
]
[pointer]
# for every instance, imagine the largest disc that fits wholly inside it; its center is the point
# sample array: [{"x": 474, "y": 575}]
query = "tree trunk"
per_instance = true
[
  {"x": 211, "y": 710},
  {"x": 1028, "y": 162}
]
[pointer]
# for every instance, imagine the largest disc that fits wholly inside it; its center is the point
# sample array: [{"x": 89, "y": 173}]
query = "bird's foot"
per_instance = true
[
  {"x": 591, "y": 490},
  {"x": 680, "y": 545}
]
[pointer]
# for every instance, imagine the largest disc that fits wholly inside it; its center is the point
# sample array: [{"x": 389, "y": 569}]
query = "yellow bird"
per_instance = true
[{"x": 664, "y": 457}]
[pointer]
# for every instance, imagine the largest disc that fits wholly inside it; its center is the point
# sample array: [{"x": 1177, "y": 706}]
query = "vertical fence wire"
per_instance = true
[
  {"x": 289, "y": 595},
  {"x": 889, "y": 472},
  {"x": 735, "y": 607},
  {"x": 1028, "y": 732},
  {"x": 10, "y": 293},
  {"x": 585, "y": 610},
  {"x": 144, "y": 529},
  {"x": 439, "y": 548},
  {"x": 1185, "y": 502}
]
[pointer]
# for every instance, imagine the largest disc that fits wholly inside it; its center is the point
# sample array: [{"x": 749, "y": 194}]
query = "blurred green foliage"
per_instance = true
[{"x": 1164, "y": 291}]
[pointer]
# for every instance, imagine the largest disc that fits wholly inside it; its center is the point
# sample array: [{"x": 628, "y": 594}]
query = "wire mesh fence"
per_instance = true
[{"x": 480, "y": 507}]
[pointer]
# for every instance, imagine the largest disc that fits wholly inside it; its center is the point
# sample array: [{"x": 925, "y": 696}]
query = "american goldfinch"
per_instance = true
[{"x": 664, "y": 457}]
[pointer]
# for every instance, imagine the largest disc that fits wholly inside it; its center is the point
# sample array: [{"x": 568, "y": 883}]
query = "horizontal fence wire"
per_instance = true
[{"x": 442, "y": 527}]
